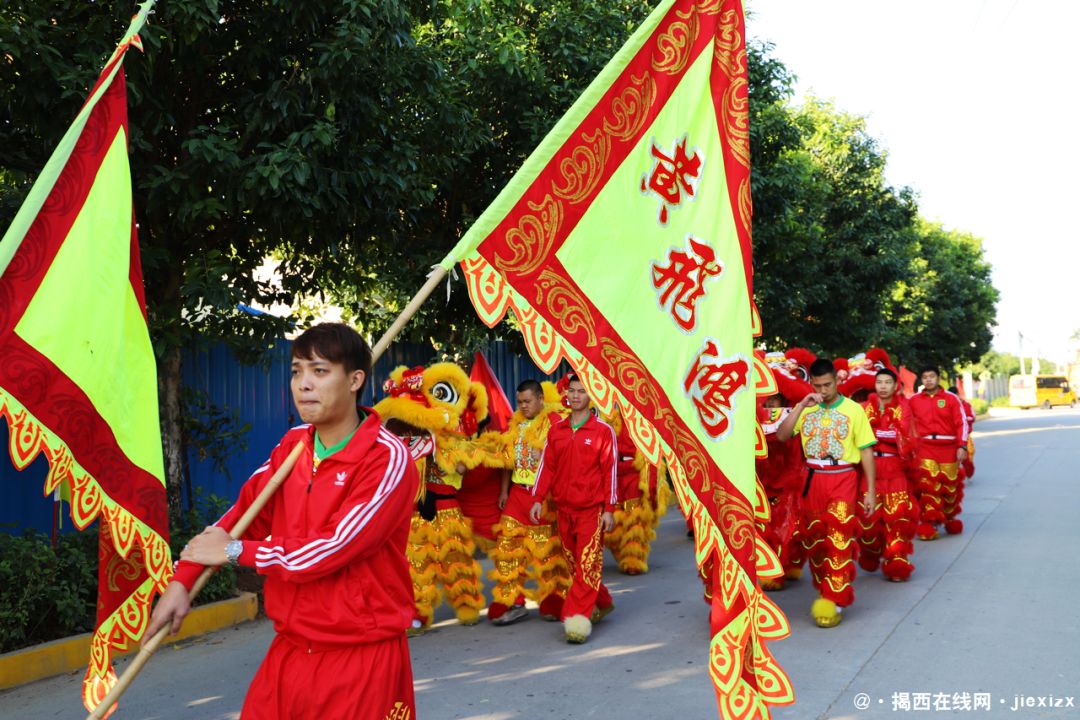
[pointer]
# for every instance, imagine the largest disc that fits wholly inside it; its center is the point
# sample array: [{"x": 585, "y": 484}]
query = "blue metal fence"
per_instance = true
[
  {"x": 22, "y": 504},
  {"x": 260, "y": 396}
]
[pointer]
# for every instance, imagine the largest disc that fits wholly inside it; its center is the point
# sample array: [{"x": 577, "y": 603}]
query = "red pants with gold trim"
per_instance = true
[
  {"x": 885, "y": 537},
  {"x": 296, "y": 681},
  {"x": 939, "y": 485},
  {"x": 583, "y": 543},
  {"x": 828, "y": 533},
  {"x": 521, "y": 543}
]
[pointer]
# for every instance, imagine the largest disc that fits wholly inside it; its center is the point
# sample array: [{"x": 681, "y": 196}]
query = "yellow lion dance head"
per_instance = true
[{"x": 437, "y": 399}]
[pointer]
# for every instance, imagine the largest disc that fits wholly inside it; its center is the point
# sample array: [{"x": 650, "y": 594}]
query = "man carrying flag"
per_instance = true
[{"x": 331, "y": 543}]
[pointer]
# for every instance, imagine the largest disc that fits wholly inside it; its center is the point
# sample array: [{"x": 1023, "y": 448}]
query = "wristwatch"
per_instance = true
[{"x": 233, "y": 550}]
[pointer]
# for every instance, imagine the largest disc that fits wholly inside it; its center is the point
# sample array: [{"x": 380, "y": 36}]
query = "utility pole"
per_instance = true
[{"x": 1022, "y": 371}]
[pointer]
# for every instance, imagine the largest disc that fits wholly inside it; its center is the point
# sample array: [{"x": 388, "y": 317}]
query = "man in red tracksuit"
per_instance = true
[
  {"x": 942, "y": 448},
  {"x": 331, "y": 543},
  {"x": 579, "y": 469}
]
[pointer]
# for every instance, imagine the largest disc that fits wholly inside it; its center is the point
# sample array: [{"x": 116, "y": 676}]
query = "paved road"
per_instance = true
[{"x": 991, "y": 613}]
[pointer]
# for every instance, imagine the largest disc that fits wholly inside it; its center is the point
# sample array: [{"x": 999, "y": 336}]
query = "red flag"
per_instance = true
[
  {"x": 622, "y": 246},
  {"x": 499, "y": 408},
  {"x": 78, "y": 380}
]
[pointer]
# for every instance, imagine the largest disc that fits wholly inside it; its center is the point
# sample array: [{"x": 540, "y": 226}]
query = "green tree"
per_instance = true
[
  {"x": 830, "y": 236},
  {"x": 999, "y": 363},
  {"x": 510, "y": 70},
  {"x": 944, "y": 313}
]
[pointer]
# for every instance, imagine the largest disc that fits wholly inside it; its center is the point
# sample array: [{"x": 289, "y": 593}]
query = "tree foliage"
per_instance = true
[
  {"x": 995, "y": 363},
  {"x": 842, "y": 260},
  {"x": 943, "y": 313}
]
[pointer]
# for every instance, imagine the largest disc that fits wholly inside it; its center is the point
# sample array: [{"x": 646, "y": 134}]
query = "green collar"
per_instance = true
[
  {"x": 580, "y": 424},
  {"x": 322, "y": 452},
  {"x": 835, "y": 405}
]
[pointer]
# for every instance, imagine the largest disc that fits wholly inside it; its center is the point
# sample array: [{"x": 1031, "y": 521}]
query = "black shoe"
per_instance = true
[{"x": 511, "y": 616}]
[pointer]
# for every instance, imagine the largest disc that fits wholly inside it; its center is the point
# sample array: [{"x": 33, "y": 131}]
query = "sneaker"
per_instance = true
[
  {"x": 576, "y": 638},
  {"x": 826, "y": 613},
  {"x": 599, "y": 613},
  {"x": 511, "y": 616},
  {"x": 577, "y": 629}
]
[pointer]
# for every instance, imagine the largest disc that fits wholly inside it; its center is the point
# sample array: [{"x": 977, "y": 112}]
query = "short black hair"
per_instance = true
[
  {"x": 531, "y": 386},
  {"x": 338, "y": 343},
  {"x": 886, "y": 371},
  {"x": 929, "y": 368},
  {"x": 821, "y": 367},
  {"x": 572, "y": 377}
]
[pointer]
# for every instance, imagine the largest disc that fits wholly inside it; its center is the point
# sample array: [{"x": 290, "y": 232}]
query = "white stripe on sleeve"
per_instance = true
[{"x": 349, "y": 526}]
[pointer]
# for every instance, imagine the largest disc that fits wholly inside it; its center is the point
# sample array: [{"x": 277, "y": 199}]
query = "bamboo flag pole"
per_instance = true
[
  {"x": 151, "y": 646},
  {"x": 433, "y": 281}
]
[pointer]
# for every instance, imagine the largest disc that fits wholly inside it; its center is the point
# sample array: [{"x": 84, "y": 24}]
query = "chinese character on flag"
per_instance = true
[
  {"x": 672, "y": 175},
  {"x": 682, "y": 281}
]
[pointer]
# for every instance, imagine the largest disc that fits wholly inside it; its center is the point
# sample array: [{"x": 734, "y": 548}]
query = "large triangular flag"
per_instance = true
[
  {"x": 623, "y": 246},
  {"x": 78, "y": 381}
]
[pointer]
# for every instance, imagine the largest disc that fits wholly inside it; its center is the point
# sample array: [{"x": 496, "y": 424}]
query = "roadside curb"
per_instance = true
[{"x": 68, "y": 654}]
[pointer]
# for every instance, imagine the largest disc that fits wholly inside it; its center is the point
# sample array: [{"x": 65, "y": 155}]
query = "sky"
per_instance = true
[{"x": 976, "y": 103}]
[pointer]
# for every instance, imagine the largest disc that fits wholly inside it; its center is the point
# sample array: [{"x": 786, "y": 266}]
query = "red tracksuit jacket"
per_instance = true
[
  {"x": 331, "y": 542},
  {"x": 939, "y": 419},
  {"x": 579, "y": 467}
]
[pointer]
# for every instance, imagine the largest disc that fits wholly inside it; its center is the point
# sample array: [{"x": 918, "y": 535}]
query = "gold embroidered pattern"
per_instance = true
[
  {"x": 630, "y": 109},
  {"x": 631, "y": 375},
  {"x": 592, "y": 559},
  {"x": 566, "y": 304},
  {"x": 400, "y": 711},
  {"x": 674, "y": 44},
  {"x": 895, "y": 501},
  {"x": 949, "y": 470},
  {"x": 583, "y": 169},
  {"x": 531, "y": 241},
  {"x": 735, "y": 520}
]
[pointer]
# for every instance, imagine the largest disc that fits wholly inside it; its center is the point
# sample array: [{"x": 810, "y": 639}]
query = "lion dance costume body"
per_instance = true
[
  {"x": 885, "y": 536},
  {"x": 644, "y": 492},
  {"x": 437, "y": 410},
  {"x": 782, "y": 473}
]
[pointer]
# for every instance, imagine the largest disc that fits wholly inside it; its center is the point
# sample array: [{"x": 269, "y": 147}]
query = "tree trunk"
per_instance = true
[{"x": 171, "y": 429}]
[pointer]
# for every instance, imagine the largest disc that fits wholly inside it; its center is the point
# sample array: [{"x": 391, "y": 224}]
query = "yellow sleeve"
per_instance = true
[
  {"x": 862, "y": 433},
  {"x": 797, "y": 430}
]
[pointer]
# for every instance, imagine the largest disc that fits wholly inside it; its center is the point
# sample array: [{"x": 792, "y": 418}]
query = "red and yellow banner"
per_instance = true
[
  {"x": 623, "y": 246},
  {"x": 79, "y": 382}
]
